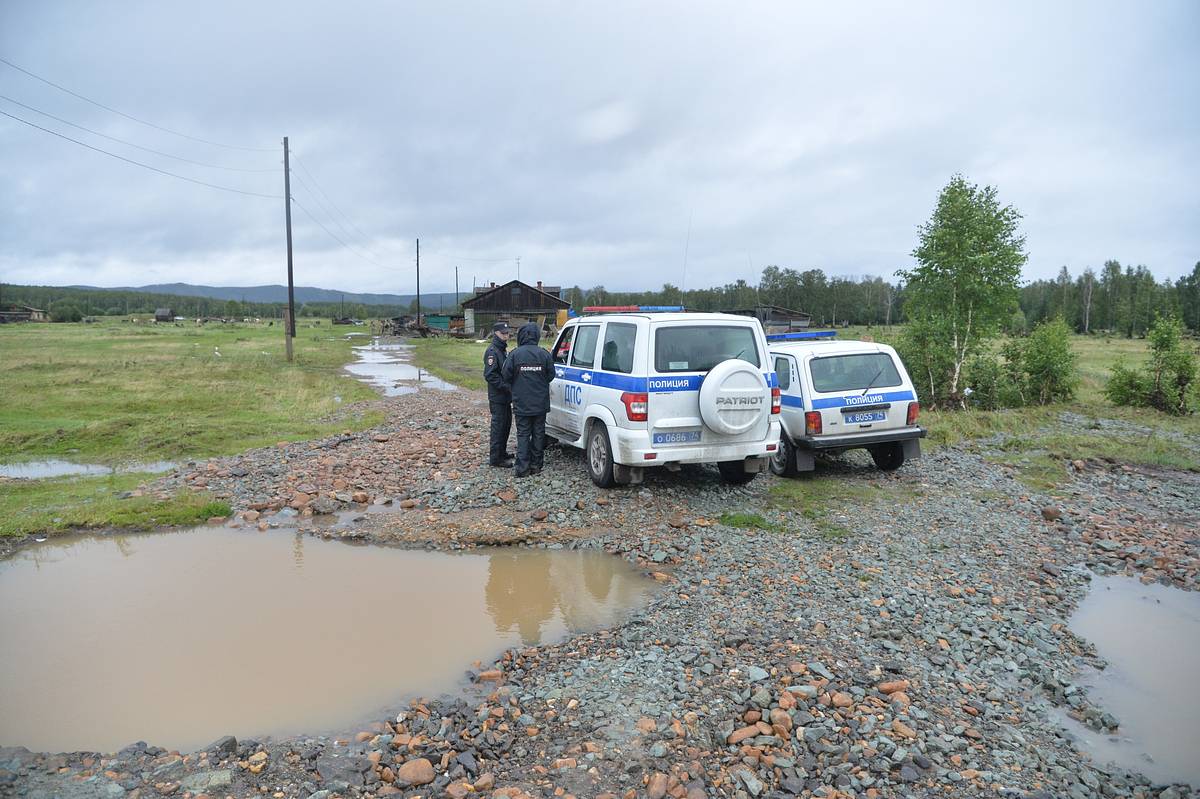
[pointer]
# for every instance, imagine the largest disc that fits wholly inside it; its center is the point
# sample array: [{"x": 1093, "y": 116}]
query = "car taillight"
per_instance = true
[
  {"x": 812, "y": 423},
  {"x": 914, "y": 408},
  {"x": 636, "y": 406},
  {"x": 776, "y": 400}
]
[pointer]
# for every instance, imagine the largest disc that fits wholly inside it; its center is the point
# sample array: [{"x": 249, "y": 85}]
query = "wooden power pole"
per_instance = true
[
  {"x": 290, "y": 324},
  {"x": 418, "y": 284}
]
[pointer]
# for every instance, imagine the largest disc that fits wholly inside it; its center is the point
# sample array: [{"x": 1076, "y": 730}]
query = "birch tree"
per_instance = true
[{"x": 969, "y": 257}]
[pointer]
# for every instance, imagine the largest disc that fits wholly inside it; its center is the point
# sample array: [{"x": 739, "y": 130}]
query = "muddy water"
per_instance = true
[
  {"x": 389, "y": 367},
  {"x": 177, "y": 638},
  {"x": 38, "y": 470},
  {"x": 1150, "y": 636}
]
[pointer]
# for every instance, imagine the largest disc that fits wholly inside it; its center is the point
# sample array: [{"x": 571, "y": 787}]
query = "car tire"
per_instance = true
[
  {"x": 783, "y": 462},
  {"x": 734, "y": 472},
  {"x": 598, "y": 456},
  {"x": 888, "y": 457}
]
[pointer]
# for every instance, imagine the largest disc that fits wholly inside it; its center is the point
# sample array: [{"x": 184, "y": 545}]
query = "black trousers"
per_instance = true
[
  {"x": 501, "y": 427},
  {"x": 531, "y": 443}
]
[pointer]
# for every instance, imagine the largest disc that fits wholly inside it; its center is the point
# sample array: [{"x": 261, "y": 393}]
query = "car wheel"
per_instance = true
[
  {"x": 599, "y": 456},
  {"x": 888, "y": 457},
  {"x": 783, "y": 462},
  {"x": 734, "y": 472}
]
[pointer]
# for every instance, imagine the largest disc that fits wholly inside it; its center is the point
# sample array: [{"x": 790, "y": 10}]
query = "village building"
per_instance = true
[
  {"x": 776, "y": 319},
  {"x": 514, "y": 302},
  {"x": 164, "y": 315},
  {"x": 22, "y": 313}
]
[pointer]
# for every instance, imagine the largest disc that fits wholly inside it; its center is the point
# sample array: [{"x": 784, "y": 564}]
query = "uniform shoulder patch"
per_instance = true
[{"x": 491, "y": 359}]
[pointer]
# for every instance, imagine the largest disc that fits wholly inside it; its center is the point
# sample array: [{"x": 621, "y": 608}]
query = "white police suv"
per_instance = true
[
  {"x": 643, "y": 388},
  {"x": 840, "y": 395}
]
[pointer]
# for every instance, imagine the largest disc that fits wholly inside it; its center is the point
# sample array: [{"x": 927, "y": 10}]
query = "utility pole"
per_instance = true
[
  {"x": 418, "y": 284},
  {"x": 290, "y": 325},
  {"x": 518, "y": 267},
  {"x": 456, "y": 288}
]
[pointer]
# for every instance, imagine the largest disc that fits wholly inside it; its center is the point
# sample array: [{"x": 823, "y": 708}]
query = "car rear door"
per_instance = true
[
  {"x": 791, "y": 393},
  {"x": 681, "y": 355},
  {"x": 860, "y": 391}
]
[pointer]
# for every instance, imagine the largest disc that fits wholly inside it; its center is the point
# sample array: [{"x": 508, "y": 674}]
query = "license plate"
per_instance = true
[
  {"x": 684, "y": 437},
  {"x": 865, "y": 417}
]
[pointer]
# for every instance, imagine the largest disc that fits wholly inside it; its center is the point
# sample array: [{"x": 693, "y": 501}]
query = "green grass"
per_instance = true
[
  {"x": 117, "y": 391},
  {"x": 748, "y": 521},
  {"x": 457, "y": 361},
  {"x": 817, "y": 498},
  {"x": 38, "y": 506}
]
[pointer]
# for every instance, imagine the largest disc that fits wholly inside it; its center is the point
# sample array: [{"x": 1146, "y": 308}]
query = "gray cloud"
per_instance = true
[{"x": 584, "y": 138}]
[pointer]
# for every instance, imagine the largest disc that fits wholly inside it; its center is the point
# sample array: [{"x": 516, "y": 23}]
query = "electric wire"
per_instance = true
[
  {"x": 130, "y": 116},
  {"x": 336, "y": 238},
  {"x": 325, "y": 210},
  {"x": 139, "y": 163},
  {"x": 317, "y": 183},
  {"x": 129, "y": 143}
]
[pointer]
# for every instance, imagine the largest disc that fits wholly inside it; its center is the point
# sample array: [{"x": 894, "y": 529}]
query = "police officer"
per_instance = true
[
  {"x": 529, "y": 371},
  {"x": 499, "y": 395}
]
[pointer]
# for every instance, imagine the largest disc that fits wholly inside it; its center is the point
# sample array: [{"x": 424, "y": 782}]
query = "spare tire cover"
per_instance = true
[{"x": 733, "y": 397}]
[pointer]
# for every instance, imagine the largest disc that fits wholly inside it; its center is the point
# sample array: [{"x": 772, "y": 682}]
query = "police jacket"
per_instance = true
[
  {"x": 529, "y": 370},
  {"x": 493, "y": 361}
]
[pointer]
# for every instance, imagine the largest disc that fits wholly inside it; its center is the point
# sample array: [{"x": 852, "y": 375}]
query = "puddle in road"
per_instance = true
[
  {"x": 389, "y": 367},
  {"x": 177, "y": 638},
  {"x": 1150, "y": 636},
  {"x": 37, "y": 470}
]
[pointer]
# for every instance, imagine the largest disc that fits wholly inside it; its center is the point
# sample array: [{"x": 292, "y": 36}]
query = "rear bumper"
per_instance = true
[
  {"x": 819, "y": 443},
  {"x": 630, "y": 448}
]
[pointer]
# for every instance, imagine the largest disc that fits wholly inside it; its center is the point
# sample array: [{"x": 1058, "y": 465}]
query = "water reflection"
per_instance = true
[
  {"x": 388, "y": 367},
  {"x": 38, "y": 470},
  {"x": 180, "y": 637}
]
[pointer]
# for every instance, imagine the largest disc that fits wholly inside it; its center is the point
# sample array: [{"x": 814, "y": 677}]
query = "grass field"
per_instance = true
[
  {"x": 457, "y": 361},
  {"x": 115, "y": 392}
]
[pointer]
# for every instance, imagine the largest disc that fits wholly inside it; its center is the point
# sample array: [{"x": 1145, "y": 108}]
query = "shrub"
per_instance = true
[
  {"x": 1168, "y": 381},
  {"x": 1037, "y": 370},
  {"x": 65, "y": 311}
]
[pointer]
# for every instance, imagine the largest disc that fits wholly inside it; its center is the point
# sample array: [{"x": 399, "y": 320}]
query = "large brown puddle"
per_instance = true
[
  {"x": 177, "y": 638},
  {"x": 1150, "y": 636}
]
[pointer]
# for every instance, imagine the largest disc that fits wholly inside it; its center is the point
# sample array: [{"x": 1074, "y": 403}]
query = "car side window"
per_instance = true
[
  {"x": 583, "y": 351},
  {"x": 783, "y": 369},
  {"x": 617, "y": 353},
  {"x": 562, "y": 350}
]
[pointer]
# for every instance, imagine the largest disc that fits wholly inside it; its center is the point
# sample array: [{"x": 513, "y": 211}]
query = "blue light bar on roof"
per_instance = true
[
  {"x": 807, "y": 335},
  {"x": 660, "y": 308}
]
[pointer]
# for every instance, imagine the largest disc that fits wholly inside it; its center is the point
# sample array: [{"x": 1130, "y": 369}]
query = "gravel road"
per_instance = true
[{"x": 904, "y": 636}]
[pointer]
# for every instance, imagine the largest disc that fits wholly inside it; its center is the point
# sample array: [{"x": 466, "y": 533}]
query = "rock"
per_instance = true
[
  {"x": 753, "y": 785},
  {"x": 208, "y": 781},
  {"x": 892, "y": 686},
  {"x": 909, "y": 774},
  {"x": 485, "y": 782},
  {"x": 739, "y": 735},
  {"x": 459, "y": 789},
  {"x": 1050, "y": 513},
  {"x": 539, "y": 515},
  {"x": 350, "y": 769},
  {"x": 417, "y": 771},
  {"x": 408, "y": 504},
  {"x": 902, "y": 729},
  {"x": 756, "y": 674},
  {"x": 491, "y": 675},
  {"x": 657, "y": 787},
  {"x": 507, "y": 495},
  {"x": 299, "y": 500},
  {"x": 361, "y": 497},
  {"x": 222, "y": 747},
  {"x": 646, "y": 725},
  {"x": 381, "y": 438},
  {"x": 781, "y": 718},
  {"x": 841, "y": 699}
]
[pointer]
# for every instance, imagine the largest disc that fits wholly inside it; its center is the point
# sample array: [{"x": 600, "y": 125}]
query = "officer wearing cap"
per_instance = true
[{"x": 499, "y": 395}]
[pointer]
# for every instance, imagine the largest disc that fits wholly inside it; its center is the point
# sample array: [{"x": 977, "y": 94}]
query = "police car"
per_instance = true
[
  {"x": 840, "y": 395},
  {"x": 639, "y": 386}
]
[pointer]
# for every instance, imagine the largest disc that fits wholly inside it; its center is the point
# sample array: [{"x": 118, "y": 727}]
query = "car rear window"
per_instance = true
[
  {"x": 698, "y": 348},
  {"x": 854, "y": 372}
]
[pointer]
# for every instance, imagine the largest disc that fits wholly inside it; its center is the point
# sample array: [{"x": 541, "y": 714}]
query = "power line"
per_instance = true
[
  {"x": 326, "y": 211},
  {"x": 139, "y": 163},
  {"x": 330, "y": 199},
  {"x": 130, "y": 116},
  {"x": 129, "y": 143},
  {"x": 336, "y": 238}
]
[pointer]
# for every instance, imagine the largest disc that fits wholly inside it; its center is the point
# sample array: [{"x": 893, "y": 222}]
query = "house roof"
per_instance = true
[{"x": 532, "y": 298}]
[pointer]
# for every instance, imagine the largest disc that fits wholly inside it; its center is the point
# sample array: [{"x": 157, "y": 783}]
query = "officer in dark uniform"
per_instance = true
[
  {"x": 529, "y": 371},
  {"x": 499, "y": 395}
]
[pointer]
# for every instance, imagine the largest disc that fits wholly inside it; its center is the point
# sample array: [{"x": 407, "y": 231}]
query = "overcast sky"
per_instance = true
[{"x": 588, "y": 138}]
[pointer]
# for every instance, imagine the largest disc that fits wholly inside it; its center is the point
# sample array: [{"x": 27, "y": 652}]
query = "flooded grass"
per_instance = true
[
  {"x": 178, "y": 638},
  {"x": 389, "y": 368},
  {"x": 456, "y": 361}
]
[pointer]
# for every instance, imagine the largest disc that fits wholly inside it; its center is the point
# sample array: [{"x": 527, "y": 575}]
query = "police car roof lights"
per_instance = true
[
  {"x": 633, "y": 308},
  {"x": 807, "y": 335}
]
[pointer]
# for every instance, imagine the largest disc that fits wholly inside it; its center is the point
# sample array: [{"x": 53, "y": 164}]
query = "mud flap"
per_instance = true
[
  {"x": 912, "y": 449},
  {"x": 757, "y": 465},
  {"x": 627, "y": 475},
  {"x": 805, "y": 462}
]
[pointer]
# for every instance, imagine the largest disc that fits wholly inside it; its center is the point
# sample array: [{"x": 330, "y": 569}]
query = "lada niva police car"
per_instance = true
[
  {"x": 840, "y": 395},
  {"x": 642, "y": 388}
]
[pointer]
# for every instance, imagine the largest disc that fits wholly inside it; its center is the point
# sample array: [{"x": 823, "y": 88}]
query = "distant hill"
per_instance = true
[{"x": 277, "y": 293}]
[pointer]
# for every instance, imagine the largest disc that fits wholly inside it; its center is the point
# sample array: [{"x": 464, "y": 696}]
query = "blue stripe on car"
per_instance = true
[
  {"x": 850, "y": 400},
  {"x": 792, "y": 402},
  {"x": 643, "y": 385}
]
